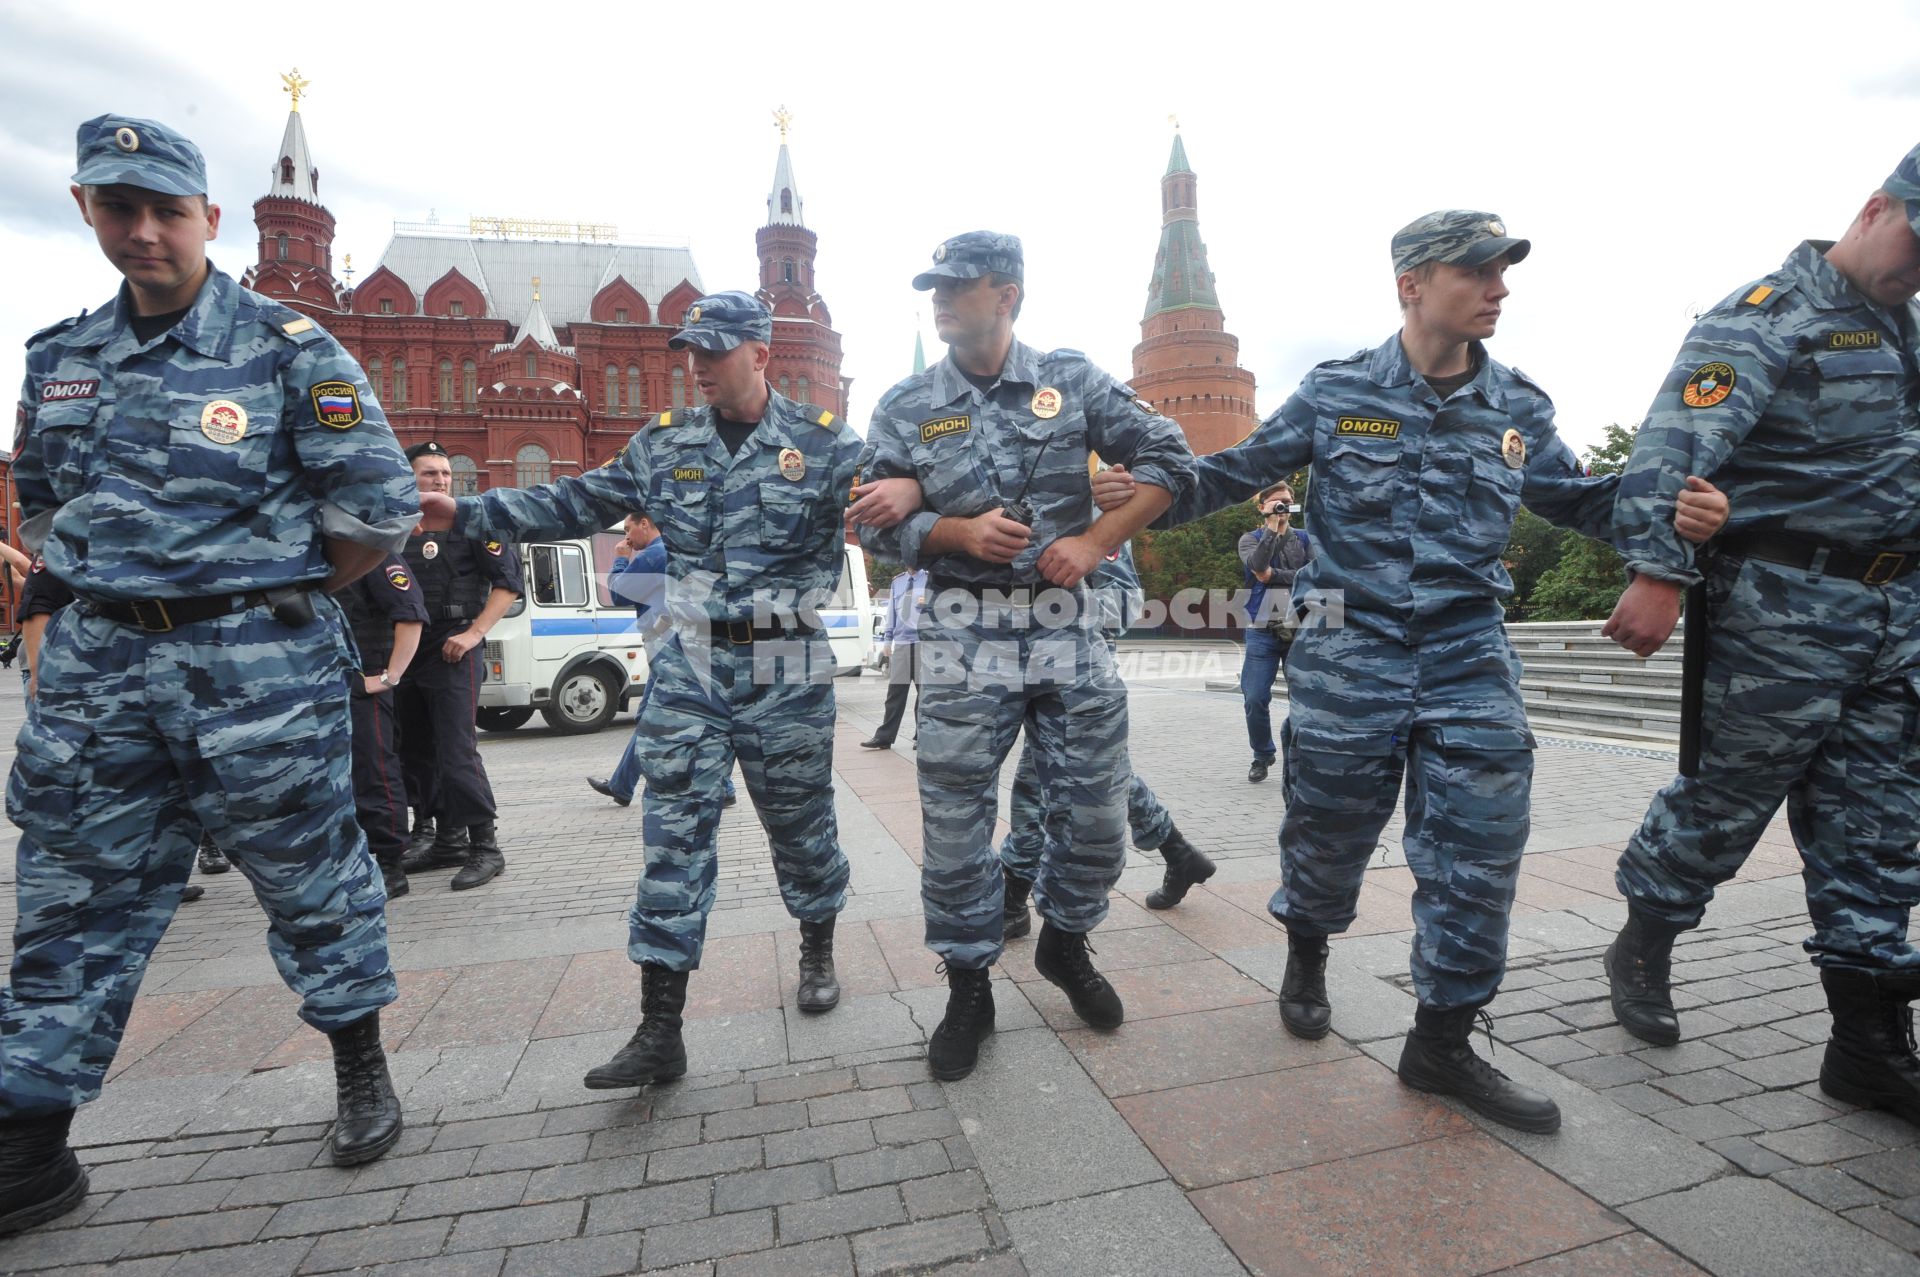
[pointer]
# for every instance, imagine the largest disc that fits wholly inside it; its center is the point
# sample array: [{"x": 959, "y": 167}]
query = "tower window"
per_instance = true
[
  {"x": 280, "y": 247},
  {"x": 532, "y": 466},
  {"x": 532, "y": 366},
  {"x": 386, "y": 305},
  {"x": 613, "y": 388},
  {"x": 786, "y": 199},
  {"x": 446, "y": 383},
  {"x": 469, "y": 383},
  {"x": 620, "y": 315},
  {"x": 786, "y": 271},
  {"x": 373, "y": 379},
  {"x": 803, "y": 391},
  {"x": 457, "y": 309},
  {"x": 399, "y": 380},
  {"x": 633, "y": 389}
]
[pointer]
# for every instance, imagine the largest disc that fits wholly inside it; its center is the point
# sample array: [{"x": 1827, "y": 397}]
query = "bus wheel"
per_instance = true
[
  {"x": 502, "y": 720},
  {"x": 583, "y": 701}
]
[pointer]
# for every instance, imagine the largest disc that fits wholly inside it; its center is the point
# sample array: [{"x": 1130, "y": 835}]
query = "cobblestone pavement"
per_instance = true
[{"x": 1198, "y": 1139}]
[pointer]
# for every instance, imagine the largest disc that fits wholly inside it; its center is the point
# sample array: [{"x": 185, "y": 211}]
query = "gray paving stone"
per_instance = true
[
  {"x": 891, "y": 1073},
  {"x": 383, "y": 1244},
  {"x": 743, "y": 1040},
  {"x": 1563, "y": 1049},
  {"x": 1750, "y": 1157},
  {"x": 624, "y": 1141},
  {"x": 150, "y": 1109},
  {"x": 286, "y": 1186},
  {"x": 886, "y": 1250},
  {"x": 606, "y": 1256},
  {"x": 1882, "y": 1222},
  {"x": 683, "y": 1102},
  {"x": 1585, "y": 1015},
  {"x": 596, "y": 1175},
  {"x": 922, "y": 1124},
  {"x": 817, "y": 1143},
  {"x": 458, "y": 1196},
  {"x": 1825, "y": 1186},
  {"x": 1686, "y": 1057},
  {"x": 1146, "y": 1231},
  {"x": 1709, "y": 1086},
  {"x": 859, "y": 1024},
  {"x": 390, "y": 1172},
  {"x": 165, "y": 1200},
  {"x": 520, "y": 1155},
  {"x": 35, "y": 1251},
  {"x": 1026, "y": 1090},
  {"x": 777, "y": 1187},
  {"x": 1603, "y": 1072},
  {"x": 1776, "y": 1072},
  {"x": 668, "y": 1244},
  {"x": 142, "y": 1172},
  {"x": 196, "y": 1232},
  {"x": 1751, "y": 1044},
  {"x": 803, "y": 1085},
  {"x": 255, "y": 1259},
  {"x": 703, "y": 1159},
  {"x": 1816, "y": 1144},
  {"x": 829, "y": 1257},
  {"x": 478, "y": 1263},
  {"x": 516, "y": 1226},
  {"x": 855, "y": 1105},
  {"x": 586, "y": 1119},
  {"x": 1705, "y": 1122},
  {"x": 645, "y": 1207},
  {"x": 844, "y": 1213},
  {"x": 762, "y": 1119},
  {"x": 493, "y": 1130},
  {"x": 1895, "y": 1172},
  {"x": 1782, "y": 1110},
  {"x": 1882, "y": 1128},
  {"x": 1749, "y": 1226},
  {"x": 945, "y": 1194},
  {"x": 330, "y": 1214},
  {"x": 1638, "y": 1097},
  {"x": 889, "y": 1165},
  {"x": 1749, "y": 1012}
]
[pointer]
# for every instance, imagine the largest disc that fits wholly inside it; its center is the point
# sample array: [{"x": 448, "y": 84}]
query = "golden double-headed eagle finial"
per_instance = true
[
  {"x": 783, "y": 120},
  {"x": 294, "y": 86}
]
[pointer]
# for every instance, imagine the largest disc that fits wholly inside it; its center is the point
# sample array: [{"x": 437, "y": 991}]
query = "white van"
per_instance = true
[{"x": 570, "y": 649}]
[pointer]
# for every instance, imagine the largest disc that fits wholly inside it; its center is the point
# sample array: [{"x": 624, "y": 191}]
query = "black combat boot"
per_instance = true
[
  {"x": 1065, "y": 959},
  {"x": 1187, "y": 868},
  {"x": 1015, "y": 921},
  {"x": 444, "y": 849},
  {"x": 656, "y": 1052},
  {"x": 1870, "y": 1058},
  {"x": 1439, "y": 1060},
  {"x": 955, "y": 1045},
  {"x": 369, "y": 1120},
  {"x": 485, "y": 860},
  {"x": 395, "y": 878},
  {"x": 423, "y": 831},
  {"x": 1304, "y": 1008},
  {"x": 40, "y": 1178},
  {"x": 212, "y": 859},
  {"x": 819, "y": 990},
  {"x": 1639, "y": 972}
]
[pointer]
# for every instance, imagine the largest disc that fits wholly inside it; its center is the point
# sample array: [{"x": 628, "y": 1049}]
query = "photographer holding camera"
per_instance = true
[{"x": 1271, "y": 553}]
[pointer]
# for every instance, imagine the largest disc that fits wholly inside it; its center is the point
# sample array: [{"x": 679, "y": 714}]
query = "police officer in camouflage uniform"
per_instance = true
[
  {"x": 747, "y": 492},
  {"x": 998, "y": 436},
  {"x": 1422, "y": 451},
  {"x": 1036, "y": 819},
  {"x": 386, "y": 615},
  {"x": 190, "y": 459},
  {"x": 1800, "y": 395},
  {"x": 467, "y": 585}
]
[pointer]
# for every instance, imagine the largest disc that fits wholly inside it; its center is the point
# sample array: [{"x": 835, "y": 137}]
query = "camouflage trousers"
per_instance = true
[
  {"x": 979, "y": 682},
  {"x": 771, "y": 706},
  {"x": 1445, "y": 716},
  {"x": 1810, "y": 699},
  {"x": 136, "y": 741}
]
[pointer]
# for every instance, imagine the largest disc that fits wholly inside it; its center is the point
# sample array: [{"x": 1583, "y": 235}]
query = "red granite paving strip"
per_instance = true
[
  {"x": 490, "y": 1002},
  {"x": 1380, "y": 911},
  {"x": 1215, "y": 923},
  {"x": 233, "y": 1035},
  {"x": 1395, "y": 878},
  {"x": 156, "y": 1018},
  {"x": 1628, "y": 1255},
  {"x": 1461, "y": 1205},
  {"x": 599, "y": 991},
  {"x": 419, "y": 990},
  {"x": 857, "y": 962},
  {"x": 902, "y": 820},
  {"x": 1185, "y": 1050},
  {"x": 1242, "y": 1127},
  {"x": 736, "y": 974},
  {"x": 1546, "y": 894},
  {"x": 1152, "y": 945},
  {"x": 1149, "y": 992},
  {"x": 1600, "y": 855},
  {"x": 1572, "y": 873},
  {"x": 903, "y": 942}
]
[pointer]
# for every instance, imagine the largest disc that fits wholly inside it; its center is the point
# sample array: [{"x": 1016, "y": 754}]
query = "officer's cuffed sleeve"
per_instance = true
[
  {"x": 887, "y": 456},
  {"x": 352, "y": 462},
  {"x": 1554, "y": 487},
  {"x": 1124, "y": 431},
  {"x": 1720, "y": 385},
  {"x": 1282, "y": 444},
  {"x": 575, "y": 506}
]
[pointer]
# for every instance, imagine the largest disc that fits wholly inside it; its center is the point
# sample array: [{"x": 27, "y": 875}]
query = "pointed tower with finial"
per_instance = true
[
  {"x": 1187, "y": 364},
  {"x": 295, "y": 260},
  {"x": 806, "y": 366}
]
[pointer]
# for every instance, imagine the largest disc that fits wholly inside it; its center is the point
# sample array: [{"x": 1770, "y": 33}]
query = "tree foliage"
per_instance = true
[{"x": 1586, "y": 581}]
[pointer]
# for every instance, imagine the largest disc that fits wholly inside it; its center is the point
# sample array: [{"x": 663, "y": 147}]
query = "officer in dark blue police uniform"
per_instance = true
[
  {"x": 385, "y": 613},
  {"x": 467, "y": 585}
]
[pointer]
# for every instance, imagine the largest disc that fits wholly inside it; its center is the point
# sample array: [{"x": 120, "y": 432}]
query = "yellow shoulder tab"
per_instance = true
[
  {"x": 295, "y": 327},
  {"x": 1759, "y": 295},
  {"x": 664, "y": 419},
  {"x": 827, "y": 419}
]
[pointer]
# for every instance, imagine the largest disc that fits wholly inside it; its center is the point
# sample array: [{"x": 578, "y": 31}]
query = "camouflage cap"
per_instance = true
[
  {"x": 117, "y": 150},
  {"x": 722, "y": 321},
  {"x": 431, "y": 448},
  {"x": 1457, "y": 236},
  {"x": 972, "y": 255},
  {"x": 1905, "y": 185}
]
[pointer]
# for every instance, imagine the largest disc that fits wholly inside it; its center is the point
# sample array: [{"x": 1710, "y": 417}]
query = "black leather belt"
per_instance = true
[
  {"x": 743, "y": 633},
  {"x": 1015, "y": 593},
  {"x": 158, "y": 616},
  {"x": 1871, "y": 567}
]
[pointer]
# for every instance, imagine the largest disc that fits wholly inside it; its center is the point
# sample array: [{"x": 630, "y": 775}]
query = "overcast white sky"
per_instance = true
[{"x": 1658, "y": 155}]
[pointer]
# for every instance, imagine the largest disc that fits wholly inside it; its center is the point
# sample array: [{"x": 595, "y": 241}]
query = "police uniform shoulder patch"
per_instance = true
[
  {"x": 1763, "y": 295},
  {"x": 1855, "y": 339},
  {"x": 828, "y": 420},
  {"x": 1145, "y": 407},
  {"x": 293, "y": 328},
  {"x": 689, "y": 474},
  {"x": 495, "y": 548},
  {"x": 941, "y": 427},
  {"x": 1708, "y": 385},
  {"x": 1368, "y": 427},
  {"x": 397, "y": 577},
  {"x": 336, "y": 404},
  {"x": 664, "y": 419}
]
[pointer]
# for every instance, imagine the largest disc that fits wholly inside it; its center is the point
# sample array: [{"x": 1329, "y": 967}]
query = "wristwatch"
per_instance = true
[{"x": 386, "y": 678}]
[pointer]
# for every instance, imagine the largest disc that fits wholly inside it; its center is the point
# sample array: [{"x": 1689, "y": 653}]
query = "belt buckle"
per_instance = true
[
  {"x": 740, "y": 633},
  {"x": 140, "y": 607},
  {"x": 1892, "y": 569}
]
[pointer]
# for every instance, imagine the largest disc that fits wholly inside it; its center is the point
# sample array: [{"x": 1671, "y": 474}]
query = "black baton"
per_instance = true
[{"x": 1693, "y": 677}]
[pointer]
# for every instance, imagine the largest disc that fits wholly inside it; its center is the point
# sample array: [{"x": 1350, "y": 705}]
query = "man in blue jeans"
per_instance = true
[
  {"x": 639, "y": 575},
  {"x": 1271, "y": 554}
]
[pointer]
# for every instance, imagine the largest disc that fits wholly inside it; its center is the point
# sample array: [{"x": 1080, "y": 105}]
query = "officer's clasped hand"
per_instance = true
[
  {"x": 1112, "y": 488},
  {"x": 881, "y": 503},
  {"x": 994, "y": 538}
]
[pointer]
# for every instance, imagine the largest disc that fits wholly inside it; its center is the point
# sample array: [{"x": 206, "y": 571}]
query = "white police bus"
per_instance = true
[{"x": 571, "y": 650}]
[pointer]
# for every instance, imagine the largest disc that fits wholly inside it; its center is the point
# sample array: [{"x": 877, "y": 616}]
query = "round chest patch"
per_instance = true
[
  {"x": 793, "y": 465},
  {"x": 431, "y": 550},
  {"x": 1513, "y": 449},
  {"x": 1046, "y": 402},
  {"x": 1710, "y": 384},
  {"x": 223, "y": 421}
]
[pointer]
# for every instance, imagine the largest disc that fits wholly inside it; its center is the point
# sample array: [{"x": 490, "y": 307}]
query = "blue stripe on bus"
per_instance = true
[{"x": 614, "y": 626}]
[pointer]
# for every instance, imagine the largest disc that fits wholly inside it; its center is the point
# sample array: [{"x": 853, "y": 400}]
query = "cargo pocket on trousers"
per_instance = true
[
  {"x": 666, "y": 759},
  {"x": 1750, "y": 720},
  {"x": 275, "y": 760},
  {"x": 52, "y": 782}
]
